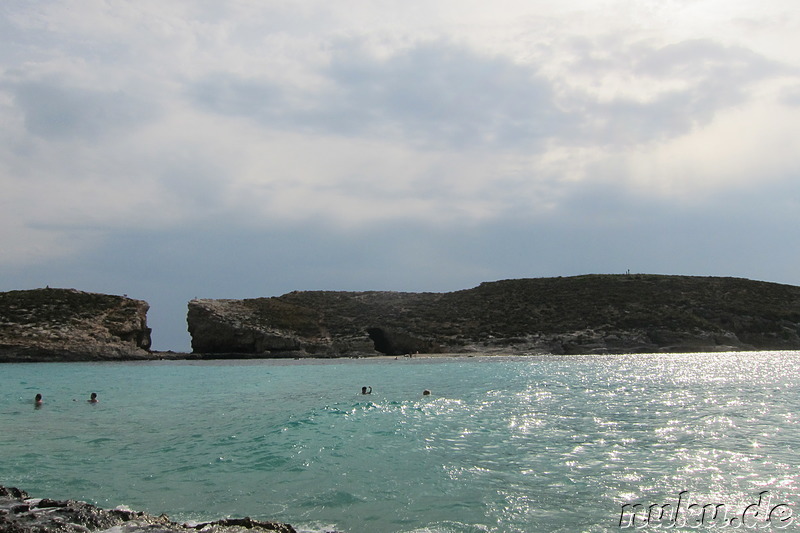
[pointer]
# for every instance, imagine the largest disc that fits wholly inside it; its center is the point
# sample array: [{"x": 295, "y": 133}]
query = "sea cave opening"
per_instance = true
[{"x": 381, "y": 340}]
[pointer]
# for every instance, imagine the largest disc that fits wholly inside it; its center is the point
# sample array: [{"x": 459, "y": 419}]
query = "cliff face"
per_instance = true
[
  {"x": 267, "y": 326},
  {"x": 70, "y": 325},
  {"x": 582, "y": 314}
]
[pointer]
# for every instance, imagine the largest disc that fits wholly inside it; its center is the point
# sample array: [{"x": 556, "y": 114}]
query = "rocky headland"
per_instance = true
[
  {"x": 592, "y": 314},
  {"x": 70, "y": 325},
  {"x": 19, "y": 513}
]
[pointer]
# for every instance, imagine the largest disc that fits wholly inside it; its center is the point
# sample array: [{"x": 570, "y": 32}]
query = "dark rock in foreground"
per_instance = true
[
  {"x": 581, "y": 314},
  {"x": 70, "y": 325},
  {"x": 21, "y": 514}
]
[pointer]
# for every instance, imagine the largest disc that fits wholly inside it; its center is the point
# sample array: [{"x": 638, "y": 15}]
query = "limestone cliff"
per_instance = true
[
  {"x": 581, "y": 314},
  {"x": 70, "y": 325}
]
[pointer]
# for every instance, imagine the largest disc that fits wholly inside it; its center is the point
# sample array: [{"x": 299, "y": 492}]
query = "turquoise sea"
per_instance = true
[{"x": 535, "y": 444}]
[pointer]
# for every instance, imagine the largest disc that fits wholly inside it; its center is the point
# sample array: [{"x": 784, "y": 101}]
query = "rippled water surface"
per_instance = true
[{"x": 502, "y": 445}]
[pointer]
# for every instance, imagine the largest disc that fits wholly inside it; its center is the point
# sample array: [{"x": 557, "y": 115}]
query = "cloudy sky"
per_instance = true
[{"x": 195, "y": 148}]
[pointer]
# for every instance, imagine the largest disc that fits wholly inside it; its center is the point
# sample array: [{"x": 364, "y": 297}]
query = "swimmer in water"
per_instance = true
[
  {"x": 365, "y": 391},
  {"x": 93, "y": 398},
  {"x": 37, "y": 401},
  {"x": 426, "y": 392}
]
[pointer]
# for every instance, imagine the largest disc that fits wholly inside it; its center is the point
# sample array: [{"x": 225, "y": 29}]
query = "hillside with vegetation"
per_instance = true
[{"x": 565, "y": 315}]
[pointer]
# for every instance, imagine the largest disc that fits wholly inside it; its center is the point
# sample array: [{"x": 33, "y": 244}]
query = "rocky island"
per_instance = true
[
  {"x": 591, "y": 314},
  {"x": 70, "y": 325}
]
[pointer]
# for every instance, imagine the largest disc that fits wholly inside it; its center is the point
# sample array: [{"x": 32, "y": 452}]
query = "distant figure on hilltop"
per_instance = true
[
  {"x": 93, "y": 398},
  {"x": 365, "y": 391}
]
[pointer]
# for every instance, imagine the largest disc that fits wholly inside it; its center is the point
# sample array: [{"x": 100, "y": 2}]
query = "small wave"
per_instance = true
[
  {"x": 100, "y": 440},
  {"x": 333, "y": 410},
  {"x": 331, "y": 498},
  {"x": 316, "y": 527},
  {"x": 451, "y": 527}
]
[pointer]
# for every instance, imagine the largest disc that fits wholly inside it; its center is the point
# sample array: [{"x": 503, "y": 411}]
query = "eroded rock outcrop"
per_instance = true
[
  {"x": 21, "y": 514},
  {"x": 70, "y": 325},
  {"x": 581, "y": 314},
  {"x": 267, "y": 327}
]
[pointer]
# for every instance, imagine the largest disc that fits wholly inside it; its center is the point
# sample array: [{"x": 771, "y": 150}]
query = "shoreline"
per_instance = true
[{"x": 191, "y": 357}]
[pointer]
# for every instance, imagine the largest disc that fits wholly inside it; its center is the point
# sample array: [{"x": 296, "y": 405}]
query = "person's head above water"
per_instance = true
[
  {"x": 38, "y": 398},
  {"x": 365, "y": 391},
  {"x": 426, "y": 392},
  {"x": 93, "y": 398}
]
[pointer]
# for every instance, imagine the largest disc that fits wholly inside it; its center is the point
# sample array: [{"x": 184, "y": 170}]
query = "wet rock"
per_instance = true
[{"x": 21, "y": 514}]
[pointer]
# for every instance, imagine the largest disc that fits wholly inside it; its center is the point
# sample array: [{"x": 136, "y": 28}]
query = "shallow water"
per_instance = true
[{"x": 502, "y": 444}]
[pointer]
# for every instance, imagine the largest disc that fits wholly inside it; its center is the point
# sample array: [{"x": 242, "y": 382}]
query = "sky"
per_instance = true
[{"x": 202, "y": 149}]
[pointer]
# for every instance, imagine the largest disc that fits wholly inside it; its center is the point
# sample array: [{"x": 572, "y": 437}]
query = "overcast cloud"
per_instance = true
[{"x": 171, "y": 150}]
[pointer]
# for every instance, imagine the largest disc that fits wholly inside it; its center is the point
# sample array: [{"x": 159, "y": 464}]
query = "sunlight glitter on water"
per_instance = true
[{"x": 503, "y": 445}]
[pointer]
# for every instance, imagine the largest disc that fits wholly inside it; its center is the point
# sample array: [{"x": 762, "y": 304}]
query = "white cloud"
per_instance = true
[{"x": 745, "y": 148}]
